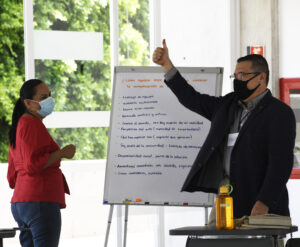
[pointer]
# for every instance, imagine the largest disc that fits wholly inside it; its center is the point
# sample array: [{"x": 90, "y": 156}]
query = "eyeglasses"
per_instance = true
[{"x": 242, "y": 75}]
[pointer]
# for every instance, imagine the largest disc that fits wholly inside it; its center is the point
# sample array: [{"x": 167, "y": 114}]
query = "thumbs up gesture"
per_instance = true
[{"x": 161, "y": 57}]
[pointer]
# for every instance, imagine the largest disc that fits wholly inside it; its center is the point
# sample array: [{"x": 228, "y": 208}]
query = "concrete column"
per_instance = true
[{"x": 259, "y": 26}]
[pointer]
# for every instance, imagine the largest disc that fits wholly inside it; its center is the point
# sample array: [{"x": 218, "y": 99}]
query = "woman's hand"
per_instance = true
[{"x": 68, "y": 151}]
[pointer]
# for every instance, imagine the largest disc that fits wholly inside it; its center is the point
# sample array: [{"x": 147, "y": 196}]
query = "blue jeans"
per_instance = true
[{"x": 42, "y": 218}]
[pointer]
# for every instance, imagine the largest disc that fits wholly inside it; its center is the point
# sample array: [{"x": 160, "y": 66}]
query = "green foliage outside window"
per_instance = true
[
  {"x": 75, "y": 85},
  {"x": 11, "y": 65}
]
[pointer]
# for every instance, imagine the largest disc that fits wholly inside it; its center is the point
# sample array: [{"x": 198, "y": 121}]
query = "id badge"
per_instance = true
[{"x": 232, "y": 139}]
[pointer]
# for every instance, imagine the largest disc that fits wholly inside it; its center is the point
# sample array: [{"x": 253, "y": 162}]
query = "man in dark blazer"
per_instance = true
[{"x": 251, "y": 138}]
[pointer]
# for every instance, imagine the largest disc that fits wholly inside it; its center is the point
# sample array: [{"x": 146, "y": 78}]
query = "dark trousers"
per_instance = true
[{"x": 42, "y": 218}]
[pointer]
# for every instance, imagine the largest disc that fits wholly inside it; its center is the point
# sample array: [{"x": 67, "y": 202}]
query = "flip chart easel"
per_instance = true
[{"x": 154, "y": 140}]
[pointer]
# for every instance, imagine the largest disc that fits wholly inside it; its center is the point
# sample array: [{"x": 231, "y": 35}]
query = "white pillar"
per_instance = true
[
  {"x": 235, "y": 47},
  {"x": 114, "y": 61},
  {"x": 155, "y": 26},
  {"x": 119, "y": 226},
  {"x": 160, "y": 227},
  {"x": 275, "y": 49},
  {"x": 28, "y": 39},
  {"x": 259, "y": 26},
  {"x": 114, "y": 36}
]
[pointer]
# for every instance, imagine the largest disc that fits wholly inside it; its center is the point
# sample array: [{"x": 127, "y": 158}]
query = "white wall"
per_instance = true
[
  {"x": 289, "y": 38},
  {"x": 293, "y": 188},
  {"x": 289, "y": 66},
  {"x": 198, "y": 34}
]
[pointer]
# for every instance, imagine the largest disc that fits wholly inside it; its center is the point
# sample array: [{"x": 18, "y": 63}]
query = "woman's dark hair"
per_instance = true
[{"x": 27, "y": 91}]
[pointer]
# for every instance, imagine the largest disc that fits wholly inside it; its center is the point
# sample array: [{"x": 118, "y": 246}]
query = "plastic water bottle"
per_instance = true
[{"x": 224, "y": 208}]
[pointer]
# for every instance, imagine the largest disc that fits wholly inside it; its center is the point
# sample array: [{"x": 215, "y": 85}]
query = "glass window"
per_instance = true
[
  {"x": 134, "y": 32},
  {"x": 11, "y": 66},
  {"x": 85, "y": 85},
  {"x": 77, "y": 85},
  {"x": 91, "y": 143}
]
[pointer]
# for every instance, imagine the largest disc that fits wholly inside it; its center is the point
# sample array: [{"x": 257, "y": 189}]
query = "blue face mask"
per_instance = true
[{"x": 47, "y": 106}]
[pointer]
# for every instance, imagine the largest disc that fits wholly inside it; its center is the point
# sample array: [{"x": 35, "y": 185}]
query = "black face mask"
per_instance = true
[{"x": 240, "y": 87}]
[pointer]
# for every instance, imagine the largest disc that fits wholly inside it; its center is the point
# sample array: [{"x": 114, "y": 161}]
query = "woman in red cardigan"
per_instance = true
[{"x": 34, "y": 168}]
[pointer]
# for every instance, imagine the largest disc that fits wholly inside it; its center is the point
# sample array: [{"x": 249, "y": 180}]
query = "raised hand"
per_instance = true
[{"x": 161, "y": 57}]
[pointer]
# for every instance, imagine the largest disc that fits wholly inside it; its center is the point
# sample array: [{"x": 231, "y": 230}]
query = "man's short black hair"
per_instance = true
[{"x": 259, "y": 64}]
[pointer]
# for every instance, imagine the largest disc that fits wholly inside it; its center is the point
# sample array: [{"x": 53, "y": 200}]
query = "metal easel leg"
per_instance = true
[
  {"x": 125, "y": 225},
  {"x": 206, "y": 215},
  {"x": 111, "y": 209}
]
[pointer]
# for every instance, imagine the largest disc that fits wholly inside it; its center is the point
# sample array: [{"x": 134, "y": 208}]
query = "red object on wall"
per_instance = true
[
  {"x": 286, "y": 84},
  {"x": 256, "y": 49},
  {"x": 295, "y": 173}
]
